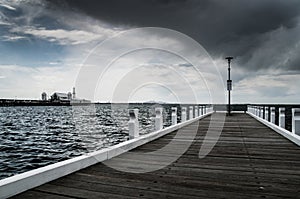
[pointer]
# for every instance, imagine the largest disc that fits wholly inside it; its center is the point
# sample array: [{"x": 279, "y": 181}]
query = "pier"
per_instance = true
[{"x": 253, "y": 158}]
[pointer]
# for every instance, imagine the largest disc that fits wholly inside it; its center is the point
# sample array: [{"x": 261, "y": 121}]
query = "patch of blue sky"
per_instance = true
[{"x": 31, "y": 52}]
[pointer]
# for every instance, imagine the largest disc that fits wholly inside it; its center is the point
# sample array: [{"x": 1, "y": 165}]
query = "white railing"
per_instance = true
[{"x": 292, "y": 134}]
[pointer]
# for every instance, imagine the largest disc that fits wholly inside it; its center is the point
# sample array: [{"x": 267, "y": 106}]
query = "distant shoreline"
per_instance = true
[{"x": 18, "y": 102}]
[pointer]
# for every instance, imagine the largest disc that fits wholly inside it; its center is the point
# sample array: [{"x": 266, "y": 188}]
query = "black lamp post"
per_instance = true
[{"x": 229, "y": 83}]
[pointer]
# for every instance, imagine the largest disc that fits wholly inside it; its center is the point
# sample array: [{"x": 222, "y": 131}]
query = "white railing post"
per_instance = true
[
  {"x": 191, "y": 113},
  {"x": 201, "y": 110},
  {"x": 267, "y": 113},
  {"x": 196, "y": 111},
  {"x": 183, "y": 114},
  {"x": 133, "y": 124},
  {"x": 174, "y": 115},
  {"x": 158, "y": 118},
  {"x": 204, "y": 110},
  {"x": 262, "y": 112},
  {"x": 281, "y": 118},
  {"x": 296, "y": 121},
  {"x": 272, "y": 115}
]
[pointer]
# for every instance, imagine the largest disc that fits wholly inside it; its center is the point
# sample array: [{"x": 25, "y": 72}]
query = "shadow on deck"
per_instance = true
[{"x": 249, "y": 161}]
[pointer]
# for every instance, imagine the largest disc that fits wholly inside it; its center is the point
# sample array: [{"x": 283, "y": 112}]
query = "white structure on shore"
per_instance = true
[
  {"x": 60, "y": 97},
  {"x": 65, "y": 97}
]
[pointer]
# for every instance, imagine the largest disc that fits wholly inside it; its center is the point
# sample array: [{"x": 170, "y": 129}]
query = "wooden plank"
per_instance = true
[{"x": 39, "y": 194}]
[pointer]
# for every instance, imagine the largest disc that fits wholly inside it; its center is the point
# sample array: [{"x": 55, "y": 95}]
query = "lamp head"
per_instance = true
[{"x": 229, "y": 58}]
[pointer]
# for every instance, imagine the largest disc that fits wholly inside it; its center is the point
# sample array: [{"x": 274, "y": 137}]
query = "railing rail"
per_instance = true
[{"x": 284, "y": 116}]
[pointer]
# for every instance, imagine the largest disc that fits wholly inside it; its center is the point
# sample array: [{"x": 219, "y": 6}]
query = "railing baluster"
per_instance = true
[
  {"x": 296, "y": 121},
  {"x": 133, "y": 124},
  {"x": 272, "y": 115},
  {"x": 183, "y": 114},
  {"x": 191, "y": 113},
  {"x": 281, "y": 117},
  {"x": 174, "y": 115},
  {"x": 158, "y": 118},
  {"x": 196, "y": 111},
  {"x": 267, "y": 113}
]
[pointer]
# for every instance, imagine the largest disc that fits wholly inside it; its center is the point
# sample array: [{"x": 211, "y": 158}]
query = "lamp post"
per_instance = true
[{"x": 229, "y": 83}]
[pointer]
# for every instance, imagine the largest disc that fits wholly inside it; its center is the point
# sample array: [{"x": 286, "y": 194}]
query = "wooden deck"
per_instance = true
[{"x": 249, "y": 161}]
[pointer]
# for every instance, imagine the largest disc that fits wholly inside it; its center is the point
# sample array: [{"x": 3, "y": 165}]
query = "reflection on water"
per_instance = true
[{"x": 32, "y": 137}]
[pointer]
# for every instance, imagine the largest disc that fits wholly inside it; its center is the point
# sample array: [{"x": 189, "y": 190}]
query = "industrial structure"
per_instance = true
[{"x": 60, "y": 97}]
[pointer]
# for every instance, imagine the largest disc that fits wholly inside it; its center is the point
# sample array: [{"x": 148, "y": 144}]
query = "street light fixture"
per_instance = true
[{"x": 229, "y": 83}]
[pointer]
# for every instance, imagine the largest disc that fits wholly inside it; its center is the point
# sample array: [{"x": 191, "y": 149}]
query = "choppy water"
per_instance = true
[{"x": 32, "y": 137}]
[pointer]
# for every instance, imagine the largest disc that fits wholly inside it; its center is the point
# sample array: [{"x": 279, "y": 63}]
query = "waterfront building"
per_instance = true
[
  {"x": 68, "y": 97},
  {"x": 61, "y": 97}
]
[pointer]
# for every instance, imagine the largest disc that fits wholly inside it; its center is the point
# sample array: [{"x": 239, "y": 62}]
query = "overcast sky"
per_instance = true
[{"x": 45, "y": 45}]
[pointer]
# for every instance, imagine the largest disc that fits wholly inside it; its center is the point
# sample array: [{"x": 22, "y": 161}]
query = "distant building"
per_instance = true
[
  {"x": 61, "y": 97},
  {"x": 44, "y": 96},
  {"x": 68, "y": 97}
]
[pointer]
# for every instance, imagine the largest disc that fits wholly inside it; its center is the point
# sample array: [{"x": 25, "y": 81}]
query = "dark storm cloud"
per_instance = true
[{"x": 240, "y": 28}]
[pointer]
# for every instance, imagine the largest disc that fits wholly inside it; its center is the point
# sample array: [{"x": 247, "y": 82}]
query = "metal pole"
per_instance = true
[
  {"x": 229, "y": 83},
  {"x": 229, "y": 89}
]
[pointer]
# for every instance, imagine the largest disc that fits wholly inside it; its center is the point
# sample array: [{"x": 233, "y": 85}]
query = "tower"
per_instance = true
[
  {"x": 44, "y": 96},
  {"x": 74, "y": 94}
]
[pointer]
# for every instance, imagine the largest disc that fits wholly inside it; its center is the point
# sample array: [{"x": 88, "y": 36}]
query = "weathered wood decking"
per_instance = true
[{"x": 249, "y": 161}]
